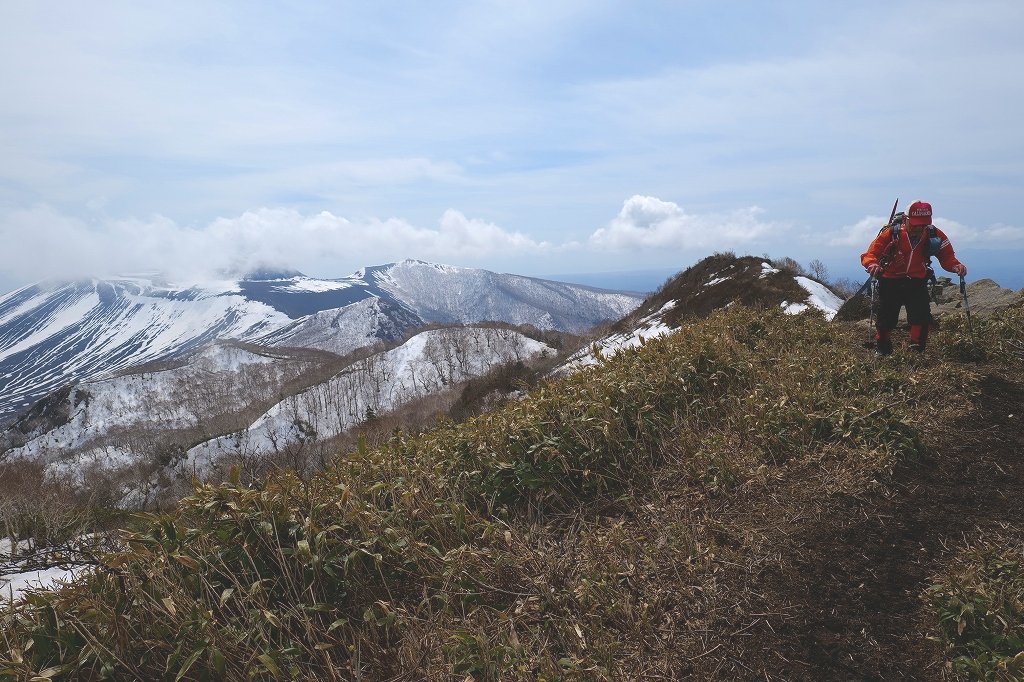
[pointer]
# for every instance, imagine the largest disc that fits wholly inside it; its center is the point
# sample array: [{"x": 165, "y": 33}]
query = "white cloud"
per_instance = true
[
  {"x": 45, "y": 243},
  {"x": 650, "y": 223},
  {"x": 859, "y": 234},
  {"x": 996, "y": 236},
  {"x": 476, "y": 238}
]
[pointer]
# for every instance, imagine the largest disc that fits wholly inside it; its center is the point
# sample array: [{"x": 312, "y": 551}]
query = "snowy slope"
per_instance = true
[
  {"x": 819, "y": 297},
  {"x": 116, "y": 427},
  {"x": 448, "y": 294},
  {"x": 102, "y": 412},
  {"x": 401, "y": 296},
  {"x": 427, "y": 363},
  {"x": 342, "y": 330},
  {"x": 52, "y": 336},
  {"x": 55, "y": 334},
  {"x": 648, "y": 327}
]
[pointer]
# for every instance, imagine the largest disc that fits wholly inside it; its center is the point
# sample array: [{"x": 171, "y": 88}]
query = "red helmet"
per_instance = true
[{"x": 920, "y": 213}]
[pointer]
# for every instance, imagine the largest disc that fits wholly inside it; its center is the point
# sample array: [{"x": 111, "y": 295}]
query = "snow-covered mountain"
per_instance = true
[
  {"x": 427, "y": 363},
  {"x": 133, "y": 410},
  {"x": 135, "y": 430},
  {"x": 282, "y": 393},
  {"x": 53, "y": 334},
  {"x": 446, "y": 294},
  {"x": 397, "y": 297},
  {"x": 714, "y": 283}
]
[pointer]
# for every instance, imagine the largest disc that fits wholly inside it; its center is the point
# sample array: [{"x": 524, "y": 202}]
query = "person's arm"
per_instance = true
[{"x": 870, "y": 258}]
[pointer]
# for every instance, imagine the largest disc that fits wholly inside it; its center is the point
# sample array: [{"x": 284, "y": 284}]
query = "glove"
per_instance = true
[
  {"x": 875, "y": 268},
  {"x": 960, "y": 269}
]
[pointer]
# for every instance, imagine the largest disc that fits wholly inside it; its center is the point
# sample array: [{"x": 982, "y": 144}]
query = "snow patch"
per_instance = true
[
  {"x": 821, "y": 297},
  {"x": 649, "y": 327},
  {"x": 14, "y": 585},
  {"x": 793, "y": 308},
  {"x": 305, "y": 284}
]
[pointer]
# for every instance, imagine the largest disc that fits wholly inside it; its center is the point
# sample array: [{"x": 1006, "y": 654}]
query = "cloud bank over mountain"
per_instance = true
[
  {"x": 42, "y": 242},
  {"x": 46, "y": 243}
]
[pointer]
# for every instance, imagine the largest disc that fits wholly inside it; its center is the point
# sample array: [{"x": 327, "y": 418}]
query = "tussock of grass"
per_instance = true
[
  {"x": 522, "y": 544},
  {"x": 980, "y": 603},
  {"x": 997, "y": 337}
]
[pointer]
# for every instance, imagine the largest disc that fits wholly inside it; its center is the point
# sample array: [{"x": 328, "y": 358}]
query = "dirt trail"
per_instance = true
[{"x": 844, "y": 600}]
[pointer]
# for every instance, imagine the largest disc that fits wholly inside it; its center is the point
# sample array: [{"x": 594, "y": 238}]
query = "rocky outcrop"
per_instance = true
[{"x": 983, "y": 295}]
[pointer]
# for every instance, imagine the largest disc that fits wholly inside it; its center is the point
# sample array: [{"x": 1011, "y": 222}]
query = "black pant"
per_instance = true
[{"x": 893, "y": 294}]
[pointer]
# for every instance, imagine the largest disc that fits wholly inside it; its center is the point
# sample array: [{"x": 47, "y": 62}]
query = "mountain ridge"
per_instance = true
[
  {"x": 712, "y": 284},
  {"x": 55, "y": 333}
]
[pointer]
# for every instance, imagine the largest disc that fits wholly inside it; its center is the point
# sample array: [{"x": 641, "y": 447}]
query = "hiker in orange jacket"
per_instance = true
[{"x": 900, "y": 258}]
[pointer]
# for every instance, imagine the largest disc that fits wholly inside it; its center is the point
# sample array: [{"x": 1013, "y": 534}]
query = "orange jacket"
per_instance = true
[{"x": 906, "y": 260}]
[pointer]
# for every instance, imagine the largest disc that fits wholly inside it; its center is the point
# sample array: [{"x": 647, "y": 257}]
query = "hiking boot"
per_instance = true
[{"x": 883, "y": 347}]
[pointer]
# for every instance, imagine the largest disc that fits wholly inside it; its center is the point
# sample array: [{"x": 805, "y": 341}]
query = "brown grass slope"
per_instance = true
[
  {"x": 752, "y": 497},
  {"x": 744, "y": 282}
]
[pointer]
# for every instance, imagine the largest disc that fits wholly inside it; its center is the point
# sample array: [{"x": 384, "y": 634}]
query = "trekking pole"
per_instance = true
[
  {"x": 874, "y": 304},
  {"x": 872, "y": 280},
  {"x": 873, "y": 283},
  {"x": 967, "y": 305}
]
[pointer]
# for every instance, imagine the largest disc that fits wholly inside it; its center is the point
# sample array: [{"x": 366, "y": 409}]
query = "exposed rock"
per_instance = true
[{"x": 984, "y": 296}]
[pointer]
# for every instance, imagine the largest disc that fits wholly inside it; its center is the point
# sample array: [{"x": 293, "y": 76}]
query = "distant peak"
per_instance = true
[
  {"x": 385, "y": 270},
  {"x": 409, "y": 262}
]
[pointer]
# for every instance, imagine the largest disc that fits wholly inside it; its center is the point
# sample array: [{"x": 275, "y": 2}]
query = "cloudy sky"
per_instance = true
[{"x": 541, "y": 137}]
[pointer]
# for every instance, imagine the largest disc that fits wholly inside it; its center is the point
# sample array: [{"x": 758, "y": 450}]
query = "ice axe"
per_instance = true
[{"x": 967, "y": 305}]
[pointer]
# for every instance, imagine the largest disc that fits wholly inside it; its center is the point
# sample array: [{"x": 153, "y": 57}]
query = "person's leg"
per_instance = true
[
  {"x": 918, "y": 312},
  {"x": 889, "y": 303}
]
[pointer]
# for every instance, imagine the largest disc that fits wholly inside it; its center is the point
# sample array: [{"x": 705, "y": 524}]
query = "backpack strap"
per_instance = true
[{"x": 934, "y": 243}]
